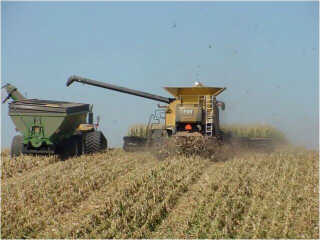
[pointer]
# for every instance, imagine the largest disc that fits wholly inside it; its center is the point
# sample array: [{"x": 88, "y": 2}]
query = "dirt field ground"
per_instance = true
[{"x": 132, "y": 195}]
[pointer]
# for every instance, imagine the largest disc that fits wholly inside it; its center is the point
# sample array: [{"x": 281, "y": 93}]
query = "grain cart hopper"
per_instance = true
[{"x": 52, "y": 126}]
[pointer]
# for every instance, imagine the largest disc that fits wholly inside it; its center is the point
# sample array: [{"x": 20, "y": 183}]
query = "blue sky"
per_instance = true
[{"x": 265, "y": 53}]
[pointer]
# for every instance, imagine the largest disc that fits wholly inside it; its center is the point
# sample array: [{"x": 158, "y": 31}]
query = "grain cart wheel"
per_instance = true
[
  {"x": 16, "y": 146},
  {"x": 94, "y": 142}
]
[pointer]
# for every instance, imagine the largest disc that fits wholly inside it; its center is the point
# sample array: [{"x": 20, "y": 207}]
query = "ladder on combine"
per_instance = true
[
  {"x": 209, "y": 114},
  {"x": 156, "y": 119}
]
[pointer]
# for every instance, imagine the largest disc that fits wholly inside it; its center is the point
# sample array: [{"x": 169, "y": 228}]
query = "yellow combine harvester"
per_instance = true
[{"x": 188, "y": 124}]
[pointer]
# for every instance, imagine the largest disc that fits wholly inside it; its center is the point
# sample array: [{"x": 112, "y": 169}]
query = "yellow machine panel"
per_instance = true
[
  {"x": 171, "y": 114},
  {"x": 85, "y": 127},
  {"x": 189, "y": 97},
  {"x": 179, "y": 91}
]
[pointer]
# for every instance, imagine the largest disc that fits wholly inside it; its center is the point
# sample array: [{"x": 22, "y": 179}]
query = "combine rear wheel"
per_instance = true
[
  {"x": 16, "y": 146},
  {"x": 94, "y": 142}
]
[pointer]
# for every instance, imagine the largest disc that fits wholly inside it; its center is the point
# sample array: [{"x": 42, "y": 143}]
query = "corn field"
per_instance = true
[
  {"x": 254, "y": 131},
  {"x": 237, "y": 130},
  {"x": 138, "y": 130},
  {"x": 132, "y": 195}
]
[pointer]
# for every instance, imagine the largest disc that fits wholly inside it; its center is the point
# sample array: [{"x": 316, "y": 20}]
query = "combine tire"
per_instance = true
[
  {"x": 94, "y": 142},
  {"x": 16, "y": 146}
]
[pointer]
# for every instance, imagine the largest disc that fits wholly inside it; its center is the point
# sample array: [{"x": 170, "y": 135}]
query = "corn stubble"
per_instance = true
[{"x": 132, "y": 195}]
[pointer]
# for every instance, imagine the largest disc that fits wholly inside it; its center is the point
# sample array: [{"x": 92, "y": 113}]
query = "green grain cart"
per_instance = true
[{"x": 52, "y": 126}]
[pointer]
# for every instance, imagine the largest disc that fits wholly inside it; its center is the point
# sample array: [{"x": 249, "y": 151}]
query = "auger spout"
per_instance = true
[
  {"x": 118, "y": 88},
  {"x": 12, "y": 93}
]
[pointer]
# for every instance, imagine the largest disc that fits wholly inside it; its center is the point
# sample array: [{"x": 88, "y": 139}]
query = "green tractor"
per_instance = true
[{"x": 52, "y": 127}]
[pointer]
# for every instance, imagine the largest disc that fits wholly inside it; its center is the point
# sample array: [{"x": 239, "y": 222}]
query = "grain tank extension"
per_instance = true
[{"x": 48, "y": 126}]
